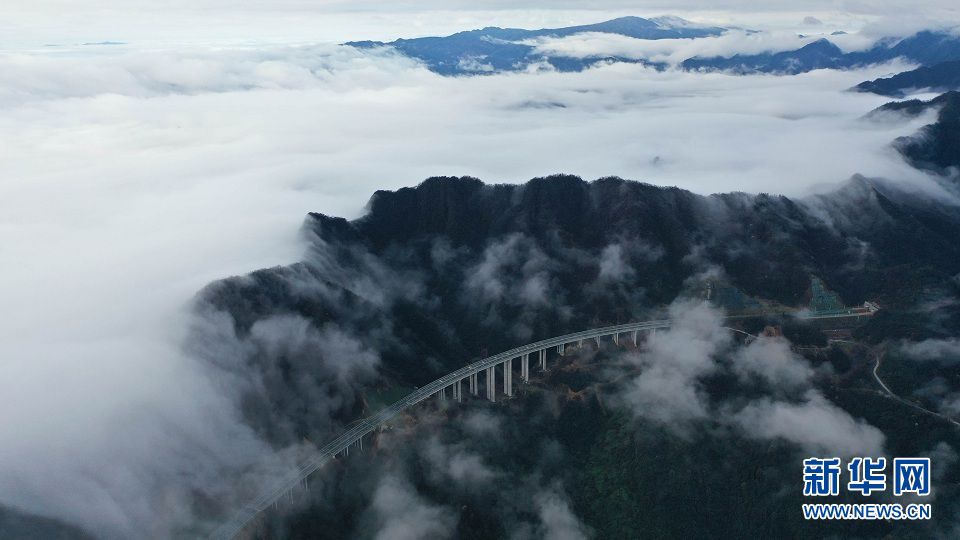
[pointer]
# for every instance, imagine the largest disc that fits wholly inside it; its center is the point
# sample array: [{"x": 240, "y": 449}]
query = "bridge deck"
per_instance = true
[{"x": 288, "y": 482}]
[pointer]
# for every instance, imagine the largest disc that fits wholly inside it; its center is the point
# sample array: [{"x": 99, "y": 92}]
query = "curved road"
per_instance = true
[{"x": 287, "y": 483}]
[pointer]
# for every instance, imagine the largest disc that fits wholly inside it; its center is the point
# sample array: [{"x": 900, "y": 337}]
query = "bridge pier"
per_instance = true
[
  {"x": 491, "y": 385},
  {"x": 443, "y": 393},
  {"x": 634, "y": 338},
  {"x": 579, "y": 343},
  {"x": 508, "y": 377},
  {"x": 473, "y": 384},
  {"x": 458, "y": 390},
  {"x": 543, "y": 359},
  {"x": 616, "y": 339},
  {"x": 598, "y": 341},
  {"x": 560, "y": 349},
  {"x": 525, "y": 367}
]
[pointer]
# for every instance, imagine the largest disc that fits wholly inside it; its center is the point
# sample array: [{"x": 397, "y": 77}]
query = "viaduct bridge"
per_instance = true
[{"x": 454, "y": 382}]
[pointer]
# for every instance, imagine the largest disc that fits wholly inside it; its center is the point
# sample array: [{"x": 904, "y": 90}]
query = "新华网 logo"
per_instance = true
[{"x": 822, "y": 477}]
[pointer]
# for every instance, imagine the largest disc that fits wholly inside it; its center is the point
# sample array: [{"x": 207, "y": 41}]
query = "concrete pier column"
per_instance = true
[
  {"x": 579, "y": 343},
  {"x": 616, "y": 339},
  {"x": 560, "y": 349},
  {"x": 598, "y": 341},
  {"x": 634, "y": 338},
  {"x": 525, "y": 367},
  {"x": 508, "y": 377},
  {"x": 458, "y": 390},
  {"x": 491, "y": 385},
  {"x": 473, "y": 384},
  {"x": 543, "y": 359},
  {"x": 443, "y": 394}
]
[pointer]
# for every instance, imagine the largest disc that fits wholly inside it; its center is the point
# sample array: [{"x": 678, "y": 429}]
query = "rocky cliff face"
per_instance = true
[
  {"x": 936, "y": 147},
  {"x": 454, "y": 269}
]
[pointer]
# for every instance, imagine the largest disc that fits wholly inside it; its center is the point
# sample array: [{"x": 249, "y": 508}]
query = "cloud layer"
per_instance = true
[
  {"x": 784, "y": 405},
  {"x": 133, "y": 178}
]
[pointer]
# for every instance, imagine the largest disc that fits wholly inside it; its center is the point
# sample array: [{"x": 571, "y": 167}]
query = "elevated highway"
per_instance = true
[{"x": 454, "y": 382}]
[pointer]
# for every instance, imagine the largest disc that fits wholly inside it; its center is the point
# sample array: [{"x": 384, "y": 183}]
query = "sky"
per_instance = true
[
  {"x": 133, "y": 175},
  {"x": 33, "y": 23}
]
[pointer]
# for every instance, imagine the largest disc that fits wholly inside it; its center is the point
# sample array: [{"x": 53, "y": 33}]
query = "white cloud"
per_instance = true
[
  {"x": 815, "y": 423},
  {"x": 941, "y": 350},
  {"x": 673, "y": 362},
  {"x": 613, "y": 267},
  {"x": 671, "y": 51},
  {"x": 771, "y": 359},
  {"x": 557, "y": 520},
  {"x": 206, "y": 21},
  {"x": 457, "y": 463},
  {"x": 133, "y": 178},
  {"x": 676, "y": 362},
  {"x": 402, "y": 515}
]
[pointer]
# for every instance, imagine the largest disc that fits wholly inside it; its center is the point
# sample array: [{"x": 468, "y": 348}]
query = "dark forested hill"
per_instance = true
[
  {"x": 935, "y": 147},
  {"x": 454, "y": 269},
  {"x": 940, "y": 77},
  {"x": 443, "y": 272}
]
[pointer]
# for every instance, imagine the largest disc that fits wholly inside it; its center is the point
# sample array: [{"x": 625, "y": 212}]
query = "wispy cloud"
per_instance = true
[{"x": 133, "y": 178}]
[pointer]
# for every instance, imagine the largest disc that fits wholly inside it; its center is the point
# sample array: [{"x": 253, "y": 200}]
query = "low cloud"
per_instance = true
[
  {"x": 946, "y": 351},
  {"x": 675, "y": 364},
  {"x": 770, "y": 359},
  {"x": 512, "y": 273},
  {"x": 133, "y": 178},
  {"x": 670, "y": 51},
  {"x": 401, "y": 514},
  {"x": 814, "y": 423},
  {"x": 456, "y": 463},
  {"x": 612, "y": 265},
  {"x": 557, "y": 520},
  {"x": 329, "y": 366}
]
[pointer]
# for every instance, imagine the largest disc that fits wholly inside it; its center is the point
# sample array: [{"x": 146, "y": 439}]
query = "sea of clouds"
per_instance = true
[{"x": 131, "y": 178}]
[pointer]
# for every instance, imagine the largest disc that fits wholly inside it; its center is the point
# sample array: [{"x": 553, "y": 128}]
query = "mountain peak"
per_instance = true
[{"x": 493, "y": 49}]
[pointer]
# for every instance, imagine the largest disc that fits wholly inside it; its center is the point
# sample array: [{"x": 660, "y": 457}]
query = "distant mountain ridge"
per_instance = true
[
  {"x": 940, "y": 77},
  {"x": 494, "y": 49},
  {"x": 925, "y": 48},
  {"x": 936, "y": 147}
]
